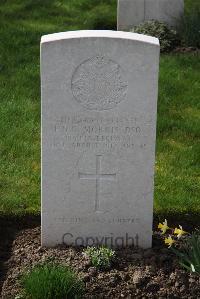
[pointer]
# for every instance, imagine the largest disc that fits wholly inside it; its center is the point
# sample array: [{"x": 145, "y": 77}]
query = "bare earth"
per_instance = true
[{"x": 135, "y": 273}]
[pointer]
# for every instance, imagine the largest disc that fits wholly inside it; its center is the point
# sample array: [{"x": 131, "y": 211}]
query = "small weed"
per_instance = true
[{"x": 100, "y": 257}]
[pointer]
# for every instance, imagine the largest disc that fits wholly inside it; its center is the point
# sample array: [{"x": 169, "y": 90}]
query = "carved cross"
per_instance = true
[{"x": 98, "y": 177}]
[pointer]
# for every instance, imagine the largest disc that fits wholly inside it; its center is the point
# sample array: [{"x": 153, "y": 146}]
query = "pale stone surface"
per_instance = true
[
  {"x": 134, "y": 12},
  {"x": 99, "y": 97}
]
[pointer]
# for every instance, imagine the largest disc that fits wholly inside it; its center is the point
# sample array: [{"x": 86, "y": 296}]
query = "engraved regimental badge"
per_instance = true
[{"x": 98, "y": 84}]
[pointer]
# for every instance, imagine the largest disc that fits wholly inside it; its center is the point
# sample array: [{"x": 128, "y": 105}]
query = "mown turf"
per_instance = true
[
  {"x": 178, "y": 145},
  {"x": 22, "y": 22}
]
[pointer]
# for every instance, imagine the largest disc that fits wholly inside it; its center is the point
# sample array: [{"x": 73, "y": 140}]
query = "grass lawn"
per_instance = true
[{"x": 22, "y": 22}]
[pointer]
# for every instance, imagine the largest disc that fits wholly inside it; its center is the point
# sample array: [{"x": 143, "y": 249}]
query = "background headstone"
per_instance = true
[
  {"x": 99, "y": 97},
  {"x": 134, "y": 12}
]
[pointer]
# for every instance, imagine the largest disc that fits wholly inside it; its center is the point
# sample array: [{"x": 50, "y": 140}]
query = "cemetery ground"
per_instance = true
[{"x": 177, "y": 186}]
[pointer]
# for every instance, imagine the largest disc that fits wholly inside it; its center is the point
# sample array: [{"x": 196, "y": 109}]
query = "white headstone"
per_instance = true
[
  {"x": 134, "y": 12},
  {"x": 99, "y": 97}
]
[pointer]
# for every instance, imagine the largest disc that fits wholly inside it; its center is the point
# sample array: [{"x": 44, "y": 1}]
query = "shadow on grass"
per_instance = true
[{"x": 189, "y": 221}]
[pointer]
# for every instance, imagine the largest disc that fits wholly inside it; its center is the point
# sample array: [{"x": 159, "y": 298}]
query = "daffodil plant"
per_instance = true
[
  {"x": 176, "y": 234},
  {"x": 187, "y": 248}
]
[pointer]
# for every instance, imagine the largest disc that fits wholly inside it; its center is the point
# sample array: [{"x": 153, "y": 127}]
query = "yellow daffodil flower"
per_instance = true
[
  {"x": 169, "y": 241},
  {"x": 163, "y": 227},
  {"x": 179, "y": 232}
]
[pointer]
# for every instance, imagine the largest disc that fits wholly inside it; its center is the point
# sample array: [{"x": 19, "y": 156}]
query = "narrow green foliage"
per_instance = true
[
  {"x": 189, "y": 253},
  {"x": 101, "y": 257},
  {"x": 51, "y": 281}
]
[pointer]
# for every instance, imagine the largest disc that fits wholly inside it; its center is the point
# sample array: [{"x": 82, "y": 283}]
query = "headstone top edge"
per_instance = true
[{"x": 99, "y": 33}]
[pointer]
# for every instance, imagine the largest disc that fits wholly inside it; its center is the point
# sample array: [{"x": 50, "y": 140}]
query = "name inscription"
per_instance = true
[{"x": 79, "y": 132}]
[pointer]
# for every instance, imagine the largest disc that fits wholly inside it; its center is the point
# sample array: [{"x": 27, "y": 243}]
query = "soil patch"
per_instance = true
[
  {"x": 135, "y": 273},
  {"x": 9, "y": 228}
]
